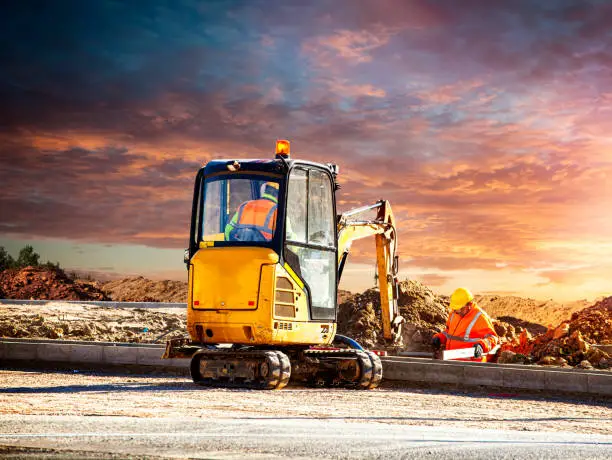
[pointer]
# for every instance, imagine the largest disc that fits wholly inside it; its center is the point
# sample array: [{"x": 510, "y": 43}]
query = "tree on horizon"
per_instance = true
[{"x": 27, "y": 257}]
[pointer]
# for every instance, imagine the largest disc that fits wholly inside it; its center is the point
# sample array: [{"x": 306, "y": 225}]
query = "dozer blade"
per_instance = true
[
  {"x": 252, "y": 369},
  {"x": 348, "y": 368}
]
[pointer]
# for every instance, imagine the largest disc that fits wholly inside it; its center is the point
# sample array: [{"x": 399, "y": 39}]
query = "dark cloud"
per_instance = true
[
  {"x": 485, "y": 123},
  {"x": 176, "y": 168},
  {"x": 100, "y": 195}
]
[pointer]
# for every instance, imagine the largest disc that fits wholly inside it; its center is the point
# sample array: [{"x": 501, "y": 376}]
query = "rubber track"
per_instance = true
[
  {"x": 369, "y": 365},
  {"x": 377, "y": 370},
  {"x": 278, "y": 375},
  {"x": 285, "y": 364}
]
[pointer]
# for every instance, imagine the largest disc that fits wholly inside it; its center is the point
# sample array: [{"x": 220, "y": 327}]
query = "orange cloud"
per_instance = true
[
  {"x": 433, "y": 279},
  {"x": 353, "y": 46},
  {"x": 489, "y": 137},
  {"x": 344, "y": 88},
  {"x": 446, "y": 94}
]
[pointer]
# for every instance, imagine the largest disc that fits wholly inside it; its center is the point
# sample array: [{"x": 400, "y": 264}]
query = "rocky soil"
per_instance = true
[
  {"x": 140, "y": 289},
  {"x": 85, "y": 322},
  {"x": 524, "y": 324},
  {"x": 571, "y": 343}
]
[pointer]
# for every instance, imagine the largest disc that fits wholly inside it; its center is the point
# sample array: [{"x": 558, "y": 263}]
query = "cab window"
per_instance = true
[
  {"x": 310, "y": 247},
  {"x": 320, "y": 210},
  {"x": 239, "y": 209}
]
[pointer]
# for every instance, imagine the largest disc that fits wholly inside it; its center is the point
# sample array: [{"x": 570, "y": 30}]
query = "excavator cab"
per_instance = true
[{"x": 263, "y": 253}]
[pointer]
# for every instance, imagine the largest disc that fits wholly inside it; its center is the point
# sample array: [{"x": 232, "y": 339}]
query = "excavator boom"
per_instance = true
[{"x": 382, "y": 227}]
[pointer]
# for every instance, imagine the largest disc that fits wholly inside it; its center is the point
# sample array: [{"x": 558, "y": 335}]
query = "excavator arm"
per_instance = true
[{"x": 383, "y": 228}]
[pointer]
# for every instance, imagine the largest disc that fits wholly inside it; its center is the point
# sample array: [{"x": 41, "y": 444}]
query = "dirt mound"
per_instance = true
[
  {"x": 536, "y": 314},
  {"x": 518, "y": 325},
  {"x": 78, "y": 322},
  {"x": 359, "y": 318},
  {"x": 505, "y": 331},
  {"x": 425, "y": 313},
  {"x": 594, "y": 322},
  {"x": 571, "y": 342},
  {"x": 45, "y": 283},
  {"x": 343, "y": 295},
  {"x": 141, "y": 289}
]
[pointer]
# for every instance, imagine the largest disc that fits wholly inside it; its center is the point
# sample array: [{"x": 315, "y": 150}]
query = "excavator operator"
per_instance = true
[
  {"x": 255, "y": 220},
  {"x": 467, "y": 326}
]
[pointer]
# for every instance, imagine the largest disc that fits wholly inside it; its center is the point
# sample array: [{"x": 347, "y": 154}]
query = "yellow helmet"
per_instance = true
[
  {"x": 270, "y": 190},
  {"x": 459, "y": 298}
]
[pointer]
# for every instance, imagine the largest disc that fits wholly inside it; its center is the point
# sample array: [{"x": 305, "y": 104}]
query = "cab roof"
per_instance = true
[{"x": 274, "y": 166}]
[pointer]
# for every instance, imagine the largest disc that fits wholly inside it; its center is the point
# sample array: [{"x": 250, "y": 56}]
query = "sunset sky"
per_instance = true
[{"x": 486, "y": 124}]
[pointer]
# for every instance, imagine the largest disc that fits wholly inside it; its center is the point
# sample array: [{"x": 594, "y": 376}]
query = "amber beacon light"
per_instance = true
[{"x": 282, "y": 148}]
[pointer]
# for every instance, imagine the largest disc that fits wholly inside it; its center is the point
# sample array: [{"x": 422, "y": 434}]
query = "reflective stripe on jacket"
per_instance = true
[
  {"x": 257, "y": 215},
  {"x": 469, "y": 330}
]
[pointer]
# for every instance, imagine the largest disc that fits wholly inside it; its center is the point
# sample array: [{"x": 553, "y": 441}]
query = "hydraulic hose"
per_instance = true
[{"x": 348, "y": 341}]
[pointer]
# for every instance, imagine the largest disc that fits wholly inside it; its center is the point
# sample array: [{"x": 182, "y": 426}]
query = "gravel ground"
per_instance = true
[{"x": 88, "y": 394}]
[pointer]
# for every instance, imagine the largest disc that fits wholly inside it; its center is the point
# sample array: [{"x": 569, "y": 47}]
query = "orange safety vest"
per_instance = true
[
  {"x": 467, "y": 331},
  {"x": 258, "y": 215}
]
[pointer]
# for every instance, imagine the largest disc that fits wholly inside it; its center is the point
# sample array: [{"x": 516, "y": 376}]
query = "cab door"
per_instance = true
[{"x": 310, "y": 237}]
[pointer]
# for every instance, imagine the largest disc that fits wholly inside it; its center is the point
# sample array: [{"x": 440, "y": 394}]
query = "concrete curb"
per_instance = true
[
  {"x": 99, "y": 355},
  {"x": 95, "y": 354},
  {"x": 85, "y": 342},
  {"x": 505, "y": 376},
  {"x": 100, "y": 303}
]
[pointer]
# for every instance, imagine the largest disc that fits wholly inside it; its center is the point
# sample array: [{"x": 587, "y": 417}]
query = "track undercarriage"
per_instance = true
[
  {"x": 255, "y": 369},
  {"x": 270, "y": 369}
]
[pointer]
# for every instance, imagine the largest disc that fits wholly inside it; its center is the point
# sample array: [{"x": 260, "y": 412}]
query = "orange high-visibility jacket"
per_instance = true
[
  {"x": 258, "y": 215},
  {"x": 467, "y": 331}
]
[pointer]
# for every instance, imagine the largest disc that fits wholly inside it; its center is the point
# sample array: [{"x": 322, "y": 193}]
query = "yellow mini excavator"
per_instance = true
[{"x": 266, "y": 253}]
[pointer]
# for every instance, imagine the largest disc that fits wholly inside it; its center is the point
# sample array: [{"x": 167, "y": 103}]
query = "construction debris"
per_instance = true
[
  {"x": 504, "y": 330},
  {"x": 571, "y": 342},
  {"x": 510, "y": 357}
]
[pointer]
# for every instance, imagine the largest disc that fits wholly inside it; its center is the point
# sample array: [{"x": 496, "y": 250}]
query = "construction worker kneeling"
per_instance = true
[{"x": 469, "y": 334}]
